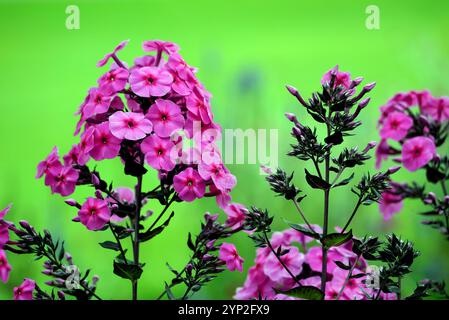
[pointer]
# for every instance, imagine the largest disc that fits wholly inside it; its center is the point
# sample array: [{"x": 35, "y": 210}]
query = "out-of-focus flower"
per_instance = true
[
  {"x": 228, "y": 253},
  {"x": 25, "y": 290}
]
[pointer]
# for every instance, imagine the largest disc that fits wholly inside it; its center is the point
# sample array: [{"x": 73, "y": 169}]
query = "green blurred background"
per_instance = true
[{"x": 246, "y": 52}]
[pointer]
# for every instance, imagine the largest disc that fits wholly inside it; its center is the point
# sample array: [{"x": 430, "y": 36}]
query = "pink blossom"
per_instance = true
[
  {"x": 4, "y": 227},
  {"x": 352, "y": 289},
  {"x": 5, "y": 267},
  {"x": 114, "y": 80},
  {"x": 342, "y": 78},
  {"x": 94, "y": 213},
  {"x": 125, "y": 195},
  {"x": 106, "y": 58},
  {"x": 158, "y": 152},
  {"x": 98, "y": 102},
  {"x": 407, "y": 99},
  {"x": 62, "y": 180},
  {"x": 106, "y": 145},
  {"x": 221, "y": 177},
  {"x": 390, "y": 204},
  {"x": 293, "y": 260},
  {"x": 166, "y": 117},
  {"x": 200, "y": 107},
  {"x": 314, "y": 258},
  {"x": 76, "y": 156},
  {"x": 189, "y": 185},
  {"x": 160, "y": 46},
  {"x": 396, "y": 126},
  {"x": 236, "y": 213},
  {"x": 228, "y": 253},
  {"x": 129, "y": 125},
  {"x": 145, "y": 61},
  {"x": 437, "y": 108},
  {"x": 25, "y": 290},
  {"x": 383, "y": 151},
  {"x": 417, "y": 152},
  {"x": 51, "y": 162},
  {"x": 150, "y": 82}
]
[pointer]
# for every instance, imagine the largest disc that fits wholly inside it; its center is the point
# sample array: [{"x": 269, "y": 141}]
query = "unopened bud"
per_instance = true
[
  {"x": 369, "y": 87},
  {"x": 61, "y": 295},
  {"x": 99, "y": 194},
  {"x": 393, "y": 169},
  {"x": 355, "y": 82},
  {"x": 95, "y": 280},
  {"x": 95, "y": 180},
  {"x": 370, "y": 146},
  {"x": 430, "y": 198},
  {"x": 72, "y": 203},
  {"x": 364, "y": 103}
]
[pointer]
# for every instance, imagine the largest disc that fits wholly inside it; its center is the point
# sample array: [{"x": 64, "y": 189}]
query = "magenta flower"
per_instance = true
[
  {"x": 293, "y": 260},
  {"x": 4, "y": 227},
  {"x": 390, "y": 204},
  {"x": 5, "y": 267},
  {"x": 160, "y": 46},
  {"x": 108, "y": 56},
  {"x": 51, "y": 162},
  {"x": 199, "y": 107},
  {"x": 150, "y": 82},
  {"x": 189, "y": 185},
  {"x": 396, "y": 126},
  {"x": 417, "y": 152},
  {"x": 159, "y": 153},
  {"x": 166, "y": 117},
  {"x": 236, "y": 213},
  {"x": 114, "y": 80},
  {"x": 62, "y": 180},
  {"x": 129, "y": 125},
  {"x": 98, "y": 102},
  {"x": 342, "y": 78},
  {"x": 221, "y": 177},
  {"x": 94, "y": 213},
  {"x": 106, "y": 145},
  {"x": 76, "y": 155},
  {"x": 437, "y": 108},
  {"x": 352, "y": 289},
  {"x": 25, "y": 290},
  {"x": 228, "y": 253}
]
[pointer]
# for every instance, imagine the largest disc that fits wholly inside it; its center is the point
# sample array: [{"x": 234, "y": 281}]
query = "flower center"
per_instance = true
[
  {"x": 190, "y": 183},
  {"x": 104, "y": 140},
  {"x": 417, "y": 152},
  {"x": 160, "y": 152},
  {"x": 93, "y": 212},
  {"x": 150, "y": 80},
  {"x": 131, "y": 124}
]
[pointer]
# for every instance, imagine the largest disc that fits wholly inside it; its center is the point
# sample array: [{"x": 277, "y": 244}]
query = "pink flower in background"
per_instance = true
[
  {"x": 396, "y": 126},
  {"x": 417, "y": 152},
  {"x": 5, "y": 267},
  {"x": 390, "y": 204},
  {"x": 51, "y": 162},
  {"x": 342, "y": 78},
  {"x": 293, "y": 260},
  {"x": 94, "y": 213},
  {"x": 125, "y": 195},
  {"x": 166, "y": 117},
  {"x": 158, "y": 152},
  {"x": 108, "y": 56},
  {"x": 228, "y": 253},
  {"x": 114, "y": 80},
  {"x": 4, "y": 227},
  {"x": 160, "y": 46},
  {"x": 382, "y": 152},
  {"x": 236, "y": 213},
  {"x": 106, "y": 145},
  {"x": 25, "y": 290},
  {"x": 221, "y": 177},
  {"x": 189, "y": 185},
  {"x": 150, "y": 82},
  {"x": 129, "y": 125},
  {"x": 407, "y": 99},
  {"x": 352, "y": 288},
  {"x": 437, "y": 108},
  {"x": 62, "y": 180}
]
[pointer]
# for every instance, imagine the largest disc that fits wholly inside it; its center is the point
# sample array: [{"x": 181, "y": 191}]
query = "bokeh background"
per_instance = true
[{"x": 246, "y": 52}]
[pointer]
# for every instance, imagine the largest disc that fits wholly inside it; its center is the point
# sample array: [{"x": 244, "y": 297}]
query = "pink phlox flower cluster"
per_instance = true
[{"x": 5, "y": 267}]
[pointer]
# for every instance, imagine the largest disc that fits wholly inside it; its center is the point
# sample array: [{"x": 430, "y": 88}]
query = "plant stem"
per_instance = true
[
  {"x": 162, "y": 213},
  {"x": 280, "y": 260},
  {"x": 443, "y": 185},
  {"x": 318, "y": 171},
  {"x": 122, "y": 252},
  {"x": 348, "y": 277},
  {"x": 359, "y": 202},
  {"x": 325, "y": 219},
  {"x": 399, "y": 286},
  {"x": 136, "y": 232},
  {"x": 302, "y": 214}
]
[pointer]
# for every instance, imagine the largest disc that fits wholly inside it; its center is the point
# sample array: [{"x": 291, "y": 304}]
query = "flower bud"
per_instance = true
[
  {"x": 292, "y": 90},
  {"x": 24, "y": 224},
  {"x": 393, "y": 169},
  {"x": 364, "y": 103},
  {"x": 207, "y": 257},
  {"x": 95, "y": 179},
  {"x": 68, "y": 257},
  {"x": 99, "y": 194},
  {"x": 72, "y": 203},
  {"x": 355, "y": 82},
  {"x": 95, "y": 280},
  {"x": 370, "y": 146},
  {"x": 61, "y": 295},
  {"x": 266, "y": 169},
  {"x": 369, "y": 87},
  {"x": 291, "y": 117},
  {"x": 430, "y": 198}
]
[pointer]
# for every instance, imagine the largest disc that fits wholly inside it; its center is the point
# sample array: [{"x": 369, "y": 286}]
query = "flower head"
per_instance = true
[
  {"x": 437, "y": 108},
  {"x": 5, "y": 267},
  {"x": 150, "y": 81},
  {"x": 108, "y": 56},
  {"x": 106, "y": 145},
  {"x": 166, "y": 117},
  {"x": 160, "y": 46},
  {"x": 114, "y": 80},
  {"x": 236, "y": 213},
  {"x": 417, "y": 152},
  {"x": 293, "y": 260},
  {"x": 94, "y": 213},
  {"x": 25, "y": 290},
  {"x": 62, "y": 180},
  {"x": 189, "y": 185},
  {"x": 159, "y": 152},
  {"x": 390, "y": 204},
  {"x": 396, "y": 126},
  {"x": 51, "y": 162},
  {"x": 129, "y": 125},
  {"x": 228, "y": 253},
  {"x": 341, "y": 79}
]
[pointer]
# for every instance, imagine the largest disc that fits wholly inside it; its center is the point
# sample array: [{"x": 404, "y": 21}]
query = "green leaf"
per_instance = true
[
  {"x": 168, "y": 292},
  {"x": 336, "y": 239},
  {"x": 305, "y": 230},
  {"x": 303, "y": 292},
  {"x": 344, "y": 181},
  {"x": 316, "y": 182},
  {"x": 149, "y": 234},
  {"x": 127, "y": 271},
  {"x": 190, "y": 242},
  {"x": 110, "y": 245}
]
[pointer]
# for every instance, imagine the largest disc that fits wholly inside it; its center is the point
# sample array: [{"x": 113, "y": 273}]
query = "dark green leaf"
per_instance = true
[
  {"x": 149, "y": 234},
  {"x": 110, "y": 245},
  {"x": 316, "y": 182},
  {"x": 304, "y": 230},
  {"x": 303, "y": 292},
  {"x": 190, "y": 243},
  {"x": 344, "y": 181},
  {"x": 336, "y": 239},
  {"x": 341, "y": 265},
  {"x": 127, "y": 271},
  {"x": 168, "y": 292}
]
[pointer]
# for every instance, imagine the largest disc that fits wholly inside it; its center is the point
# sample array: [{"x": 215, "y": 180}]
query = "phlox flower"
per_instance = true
[
  {"x": 199, "y": 107},
  {"x": 25, "y": 290},
  {"x": 160, "y": 46},
  {"x": 5, "y": 267},
  {"x": 352, "y": 289},
  {"x": 228, "y": 253},
  {"x": 94, "y": 213},
  {"x": 62, "y": 180},
  {"x": 129, "y": 125},
  {"x": 166, "y": 117},
  {"x": 106, "y": 145},
  {"x": 189, "y": 185},
  {"x": 396, "y": 126},
  {"x": 108, "y": 56},
  {"x": 150, "y": 81},
  {"x": 114, "y": 80},
  {"x": 342, "y": 78},
  {"x": 236, "y": 213},
  {"x": 51, "y": 162},
  {"x": 4, "y": 227},
  {"x": 98, "y": 102},
  {"x": 437, "y": 108},
  {"x": 159, "y": 153},
  {"x": 76, "y": 156},
  {"x": 417, "y": 152},
  {"x": 293, "y": 260},
  {"x": 145, "y": 61},
  {"x": 390, "y": 204},
  {"x": 221, "y": 177}
]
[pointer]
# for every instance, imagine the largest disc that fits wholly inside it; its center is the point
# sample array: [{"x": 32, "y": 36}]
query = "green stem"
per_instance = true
[
  {"x": 117, "y": 239},
  {"x": 348, "y": 277},
  {"x": 325, "y": 220},
  {"x": 302, "y": 215},
  {"x": 136, "y": 222},
  {"x": 357, "y": 206}
]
